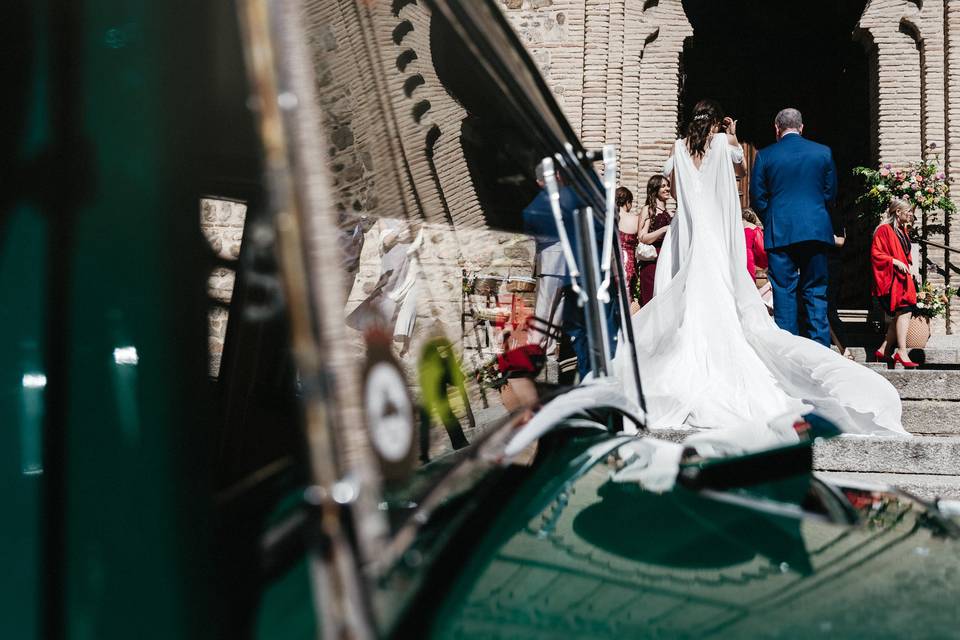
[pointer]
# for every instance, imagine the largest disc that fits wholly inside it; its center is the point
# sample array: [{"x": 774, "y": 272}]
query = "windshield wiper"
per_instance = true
[{"x": 610, "y": 187}]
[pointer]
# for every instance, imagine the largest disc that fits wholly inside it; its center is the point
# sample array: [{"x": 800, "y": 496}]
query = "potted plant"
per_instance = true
[{"x": 932, "y": 302}]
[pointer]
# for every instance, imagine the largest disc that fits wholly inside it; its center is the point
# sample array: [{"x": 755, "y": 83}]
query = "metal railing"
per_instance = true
[{"x": 946, "y": 256}]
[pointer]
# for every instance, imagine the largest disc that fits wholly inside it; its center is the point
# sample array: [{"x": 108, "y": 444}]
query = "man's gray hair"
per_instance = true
[{"x": 789, "y": 118}]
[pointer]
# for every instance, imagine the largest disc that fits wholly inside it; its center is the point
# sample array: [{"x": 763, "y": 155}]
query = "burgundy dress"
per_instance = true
[
  {"x": 648, "y": 270},
  {"x": 628, "y": 252}
]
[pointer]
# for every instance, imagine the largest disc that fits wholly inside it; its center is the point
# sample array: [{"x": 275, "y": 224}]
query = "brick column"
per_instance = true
[
  {"x": 651, "y": 84},
  {"x": 615, "y": 69},
  {"x": 596, "y": 64},
  {"x": 899, "y": 118},
  {"x": 927, "y": 28},
  {"x": 951, "y": 24}
]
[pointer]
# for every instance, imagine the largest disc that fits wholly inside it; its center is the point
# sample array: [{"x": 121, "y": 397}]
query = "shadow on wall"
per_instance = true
[{"x": 501, "y": 161}]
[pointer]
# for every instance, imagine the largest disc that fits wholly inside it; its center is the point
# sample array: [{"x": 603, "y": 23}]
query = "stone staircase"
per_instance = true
[{"x": 928, "y": 463}]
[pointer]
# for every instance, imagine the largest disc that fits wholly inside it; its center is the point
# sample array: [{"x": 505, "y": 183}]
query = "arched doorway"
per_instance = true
[{"x": 758, "y": 56}]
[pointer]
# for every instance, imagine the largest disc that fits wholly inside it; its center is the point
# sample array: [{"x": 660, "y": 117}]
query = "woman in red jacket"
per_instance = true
[{"x": 893, "y": 285}]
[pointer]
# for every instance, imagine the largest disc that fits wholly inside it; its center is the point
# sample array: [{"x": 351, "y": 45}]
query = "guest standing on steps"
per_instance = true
[
  {"x": 893, "y": 285},
  {"x": 793, "y": 181},
  {"x": 628, "y": 225},
  {"x": 656, "y": 221},
  {"x": 753, "y": 236}
]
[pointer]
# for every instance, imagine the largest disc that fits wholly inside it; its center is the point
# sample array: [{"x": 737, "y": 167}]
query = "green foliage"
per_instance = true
[{"x": 923, "y": 184}]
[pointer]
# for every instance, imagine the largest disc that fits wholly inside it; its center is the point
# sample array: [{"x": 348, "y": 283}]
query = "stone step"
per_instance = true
[
  {"x": 930, "y": 357},
  {"x": 925, "y": 486},
  {"x": 935, "y": 417},
  {"x": 925, "y": 384},
  {"x": 920, "y": 417},
  {"x": 926, "y": 455}
]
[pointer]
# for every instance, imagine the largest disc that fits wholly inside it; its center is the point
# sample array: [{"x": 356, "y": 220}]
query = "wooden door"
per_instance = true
[{"x": 743, "y": 184}]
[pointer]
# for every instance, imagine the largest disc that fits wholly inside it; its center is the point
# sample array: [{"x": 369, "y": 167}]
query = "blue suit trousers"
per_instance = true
[{"x": 798, "y": 274}]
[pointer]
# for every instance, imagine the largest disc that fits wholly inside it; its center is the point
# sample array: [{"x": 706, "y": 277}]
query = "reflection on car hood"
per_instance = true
[{"x": 602, "y": 560}]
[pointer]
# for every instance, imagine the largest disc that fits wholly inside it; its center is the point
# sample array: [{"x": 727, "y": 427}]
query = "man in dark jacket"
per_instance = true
[{"x": 792, "y": 183}]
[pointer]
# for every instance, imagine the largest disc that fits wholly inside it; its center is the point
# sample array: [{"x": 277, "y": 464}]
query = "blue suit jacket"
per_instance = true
[
  {"x": 538, "y": 219},
  {"x": 790, "y": 186}
]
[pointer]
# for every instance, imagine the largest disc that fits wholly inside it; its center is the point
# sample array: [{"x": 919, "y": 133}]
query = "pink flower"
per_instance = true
[
  {"x": 941, "y": 175},
  {"x": 888, "y": 166},
  {"x": 884, "y": 172},
  {"x": 929, "y": 189}
]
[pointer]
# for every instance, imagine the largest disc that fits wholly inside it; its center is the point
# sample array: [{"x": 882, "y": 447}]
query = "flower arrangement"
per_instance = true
[
  {"x": 923, "y": 184},
  {"x": 933, "y": 301},
  {"x": 489, "y": 376}
]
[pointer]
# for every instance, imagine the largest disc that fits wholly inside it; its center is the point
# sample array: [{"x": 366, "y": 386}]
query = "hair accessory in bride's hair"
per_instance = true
[{"x": 702, "y": 116}]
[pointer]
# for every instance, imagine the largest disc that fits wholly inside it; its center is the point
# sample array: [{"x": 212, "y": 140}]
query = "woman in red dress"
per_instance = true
[
  {"x": 893, "y": 285},
  {"x": 656, "y": 221},
  {"x": 628, "y": 225},
  {"x": 753, "y": 235}
]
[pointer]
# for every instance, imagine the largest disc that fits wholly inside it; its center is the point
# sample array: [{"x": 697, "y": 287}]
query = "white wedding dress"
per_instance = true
[{"x": 711, "y": 357}]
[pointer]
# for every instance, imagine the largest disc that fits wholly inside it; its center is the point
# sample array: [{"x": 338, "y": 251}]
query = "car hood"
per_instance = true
[{"x": 574, "y": 554}]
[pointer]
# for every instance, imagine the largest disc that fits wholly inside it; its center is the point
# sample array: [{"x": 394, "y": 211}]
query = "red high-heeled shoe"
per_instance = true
[
  {"x": 880, "y": 356},
  {"x": 907, "y": 364}
]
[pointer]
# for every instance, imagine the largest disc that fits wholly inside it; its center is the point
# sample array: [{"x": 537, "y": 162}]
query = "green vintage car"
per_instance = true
[{"x": 309, "y": 314}]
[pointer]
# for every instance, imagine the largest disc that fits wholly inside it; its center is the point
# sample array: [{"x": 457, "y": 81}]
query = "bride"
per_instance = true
[{"x": 710, "y": 356}]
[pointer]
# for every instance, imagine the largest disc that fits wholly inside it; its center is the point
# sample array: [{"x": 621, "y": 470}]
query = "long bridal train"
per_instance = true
[{"x": 709, "y": 354}]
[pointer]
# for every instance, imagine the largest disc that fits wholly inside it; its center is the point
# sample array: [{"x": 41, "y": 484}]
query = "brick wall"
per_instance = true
[
  {"x": 610, "y": 69},
  {"x": 553, "y": 32}
]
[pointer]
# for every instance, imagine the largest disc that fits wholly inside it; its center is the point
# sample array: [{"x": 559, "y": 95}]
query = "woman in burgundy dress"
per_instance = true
[
  {"x": 893, "y": 284},
  {"x": 656, "y": 221},
  {"x": 628, "y": 225}
]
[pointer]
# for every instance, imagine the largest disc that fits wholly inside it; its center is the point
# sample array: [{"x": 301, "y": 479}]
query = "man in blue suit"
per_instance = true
[{"x": 790, "y": 188}]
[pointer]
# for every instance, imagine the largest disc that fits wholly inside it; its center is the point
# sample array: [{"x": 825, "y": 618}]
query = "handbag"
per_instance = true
[{"x": 646, "y": 252}]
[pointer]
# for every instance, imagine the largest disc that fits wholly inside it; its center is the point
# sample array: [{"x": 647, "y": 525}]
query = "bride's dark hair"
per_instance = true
[{"x": 706, "y": 113}]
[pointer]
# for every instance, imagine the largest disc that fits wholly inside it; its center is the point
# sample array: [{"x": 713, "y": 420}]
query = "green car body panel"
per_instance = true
[{"x": 105, "y": 465}]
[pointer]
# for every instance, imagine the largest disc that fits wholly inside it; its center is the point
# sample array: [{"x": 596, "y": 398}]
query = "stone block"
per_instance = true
[
  {"x": 931, "y": 417},
  {"x": 925, "y": 384},
  {"x": 922, "y": 455},
  {"x": 928, "y": 487}
]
